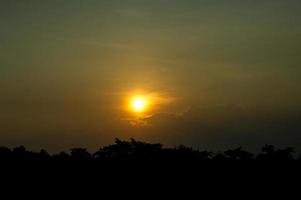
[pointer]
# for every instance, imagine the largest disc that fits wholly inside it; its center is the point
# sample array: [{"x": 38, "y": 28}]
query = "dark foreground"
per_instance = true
[
  {"x": 127, "y": 167},
  {"x": 135, "y": 151}
]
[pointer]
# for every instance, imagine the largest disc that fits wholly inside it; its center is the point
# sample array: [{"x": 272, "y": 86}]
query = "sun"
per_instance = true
[{"x": 138, "y": 104}]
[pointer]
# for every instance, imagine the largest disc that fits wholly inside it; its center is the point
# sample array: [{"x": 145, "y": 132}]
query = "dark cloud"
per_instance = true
[{"x": 227, "y": 126}]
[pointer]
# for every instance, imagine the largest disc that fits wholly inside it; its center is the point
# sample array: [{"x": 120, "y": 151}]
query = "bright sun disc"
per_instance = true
[{"x": 138, "y": 104}]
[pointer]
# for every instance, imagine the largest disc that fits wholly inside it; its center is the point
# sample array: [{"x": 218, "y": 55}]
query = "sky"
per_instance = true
[{"x": 220, "y": 73}]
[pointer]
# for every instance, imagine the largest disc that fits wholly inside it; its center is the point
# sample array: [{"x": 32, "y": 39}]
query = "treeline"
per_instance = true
[{"x": 140, "y": 151}]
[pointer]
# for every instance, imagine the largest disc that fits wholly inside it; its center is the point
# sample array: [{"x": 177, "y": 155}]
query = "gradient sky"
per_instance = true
[{"x": 224, "y": 73}]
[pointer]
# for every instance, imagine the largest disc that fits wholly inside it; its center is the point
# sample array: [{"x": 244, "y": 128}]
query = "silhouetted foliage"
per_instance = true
[
  {"x": 270, "y": 153},
  {"x": 238, "y": 154},
  {"x": 141, "y": 151},
  {"x": 61, "y": 157},
  {"x": 80, "y": 154},
  {"x": 128, "y": 150},
  {"x": 5, "y": 153}
]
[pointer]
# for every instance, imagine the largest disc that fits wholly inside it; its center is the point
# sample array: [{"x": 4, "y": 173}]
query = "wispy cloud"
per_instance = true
[{"x": 91, "y": 42}]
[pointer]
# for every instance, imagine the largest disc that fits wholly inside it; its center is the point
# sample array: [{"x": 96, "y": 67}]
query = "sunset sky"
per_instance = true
[{"x": 212, "y": 74}]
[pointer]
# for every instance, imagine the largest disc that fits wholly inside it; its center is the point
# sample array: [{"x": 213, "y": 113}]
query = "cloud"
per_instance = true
[
  {"x": 226, "y": 127},
  {"x": 91, "y": 42}
]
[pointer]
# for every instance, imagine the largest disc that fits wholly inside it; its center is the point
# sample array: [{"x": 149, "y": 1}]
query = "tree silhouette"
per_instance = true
[
  {"x": 62, "y": 156},
  {"x": 270, "y": 153},
  {"x": 5, "y": 153},
  {"x": 141, "y": 151},
  {"x": 238, "y": 154},
  {"x": 80, "y": 154}
]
